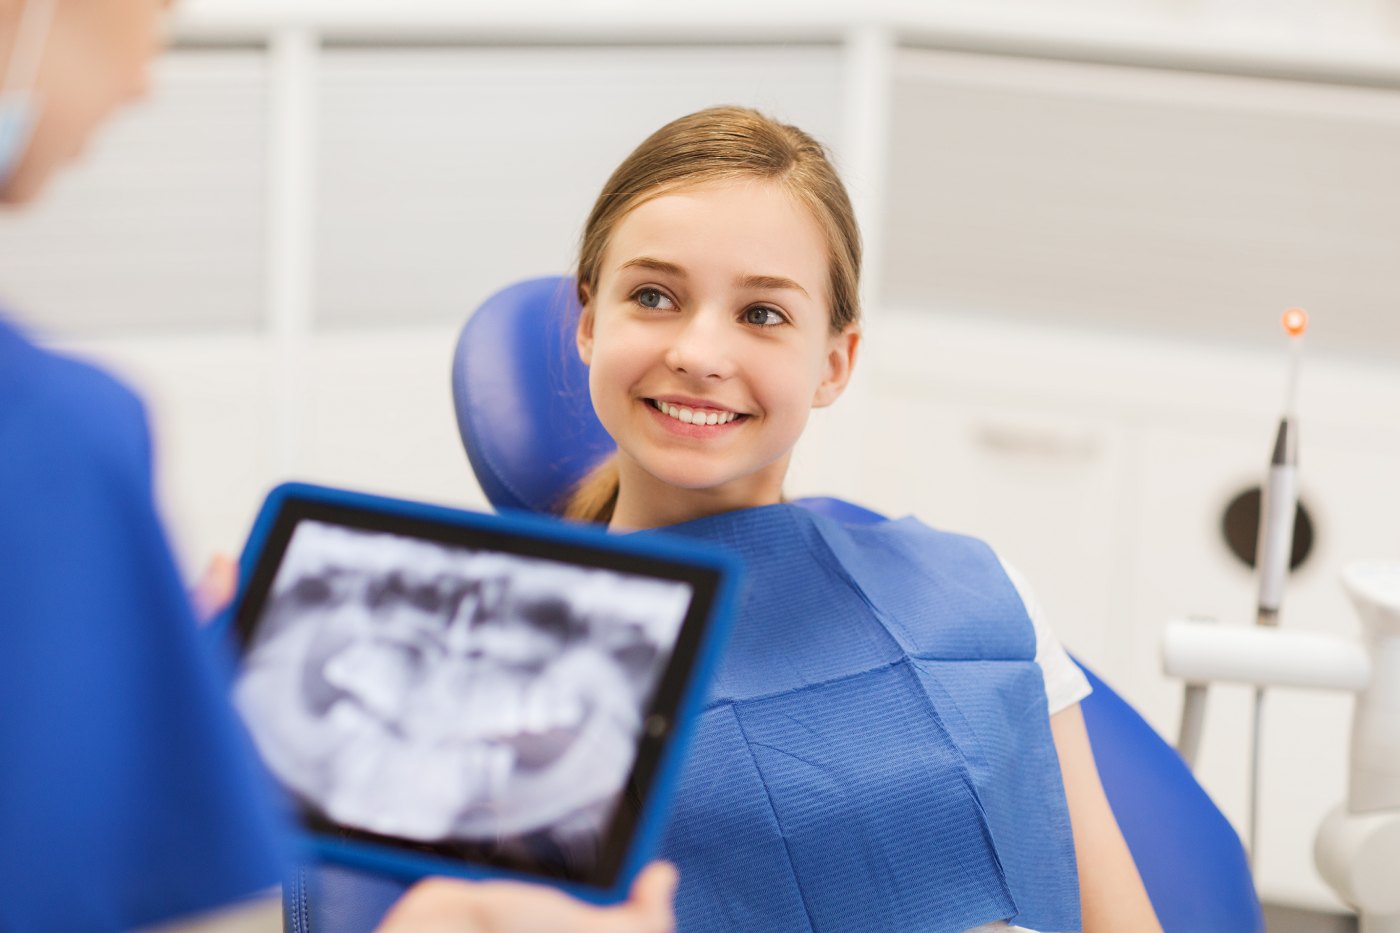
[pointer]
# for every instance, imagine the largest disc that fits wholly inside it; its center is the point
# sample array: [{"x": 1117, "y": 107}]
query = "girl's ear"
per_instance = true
[
  {"x": 840, "y": 361},
  {"x": 584, "y": 335}
]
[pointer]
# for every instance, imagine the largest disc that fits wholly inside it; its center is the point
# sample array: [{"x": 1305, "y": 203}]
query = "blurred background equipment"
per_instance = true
[{"x": 1358, "y": 844}]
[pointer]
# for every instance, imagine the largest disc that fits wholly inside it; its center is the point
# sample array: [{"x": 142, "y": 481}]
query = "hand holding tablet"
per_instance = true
[
  {"x": 446, "y": 905},
  {"x": 450, "y": 692}
]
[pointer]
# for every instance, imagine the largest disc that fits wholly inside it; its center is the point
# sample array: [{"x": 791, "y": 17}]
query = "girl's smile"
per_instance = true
[{"x": 693, "y": 418}]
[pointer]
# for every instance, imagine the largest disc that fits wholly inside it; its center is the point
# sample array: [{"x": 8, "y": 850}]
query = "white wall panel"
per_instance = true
[
  {"x": 232, "y": 416},
  {"x": 446, "y": 174},
  {"x": 164, "y": 231},
  {"x": 212, "y": 406},
  {"x": 1147, "y": 200},
  {"x": 378, "y": 416}
]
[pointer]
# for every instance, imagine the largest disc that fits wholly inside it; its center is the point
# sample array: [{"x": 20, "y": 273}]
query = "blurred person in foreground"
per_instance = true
[{"x": 130, "y": 797}]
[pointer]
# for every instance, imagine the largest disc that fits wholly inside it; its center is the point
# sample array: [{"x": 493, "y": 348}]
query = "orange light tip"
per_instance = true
[{"x": 1295, "y": 321}]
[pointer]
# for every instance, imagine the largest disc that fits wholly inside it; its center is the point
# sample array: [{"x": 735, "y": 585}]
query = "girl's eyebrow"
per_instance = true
[
  {"x": 655, "y": 265},
  {"x": 770, "y": 282},
  {"x": 753, "y": 282}
]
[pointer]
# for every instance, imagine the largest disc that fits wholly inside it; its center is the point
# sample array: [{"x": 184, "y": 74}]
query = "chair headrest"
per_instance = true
[{"x": 521, "y": 395}]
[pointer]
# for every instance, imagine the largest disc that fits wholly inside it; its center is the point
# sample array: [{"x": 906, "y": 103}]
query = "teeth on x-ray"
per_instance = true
[{"x": 435, "y": 693}]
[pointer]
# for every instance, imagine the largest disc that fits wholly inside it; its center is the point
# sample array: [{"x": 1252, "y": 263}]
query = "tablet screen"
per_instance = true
[{"x": 471, "y": 694}]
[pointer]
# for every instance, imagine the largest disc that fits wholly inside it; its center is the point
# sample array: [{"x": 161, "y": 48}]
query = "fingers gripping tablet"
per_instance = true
[{"x": 447, "y": 691}]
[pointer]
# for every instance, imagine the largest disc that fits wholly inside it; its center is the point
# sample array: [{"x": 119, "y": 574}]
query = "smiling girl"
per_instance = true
[{"x": 894, "y": 740}]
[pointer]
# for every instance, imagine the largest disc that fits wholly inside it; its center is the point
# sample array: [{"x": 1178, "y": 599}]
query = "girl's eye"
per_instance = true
[
  {"x": 653, "y": 299},
  {"x": 760, "y": 316}
]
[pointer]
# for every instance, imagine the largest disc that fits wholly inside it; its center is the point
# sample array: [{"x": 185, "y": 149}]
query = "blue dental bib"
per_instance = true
[{"x": 875, "y": 752}]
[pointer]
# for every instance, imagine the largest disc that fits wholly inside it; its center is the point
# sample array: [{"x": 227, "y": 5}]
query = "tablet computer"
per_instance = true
[{"x": 443, "y": 691}]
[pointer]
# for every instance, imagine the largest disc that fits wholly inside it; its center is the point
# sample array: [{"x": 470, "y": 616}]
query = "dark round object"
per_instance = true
[{"x": 1240, "y": 525}]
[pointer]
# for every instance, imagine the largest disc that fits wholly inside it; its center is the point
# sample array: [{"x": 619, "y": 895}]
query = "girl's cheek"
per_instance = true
[{"x": 619, "y": 343}]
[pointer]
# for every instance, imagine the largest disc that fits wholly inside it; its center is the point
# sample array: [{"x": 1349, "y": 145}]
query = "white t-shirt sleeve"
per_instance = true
[{"x": 1065, "y": 683}]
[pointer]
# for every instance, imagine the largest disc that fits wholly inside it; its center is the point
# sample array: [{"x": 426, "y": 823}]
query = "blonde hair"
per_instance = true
[{"x": 718, "y": 144}]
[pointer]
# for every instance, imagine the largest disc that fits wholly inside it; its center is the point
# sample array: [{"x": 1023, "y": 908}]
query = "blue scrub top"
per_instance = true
[{"x": 129, "y": 793}]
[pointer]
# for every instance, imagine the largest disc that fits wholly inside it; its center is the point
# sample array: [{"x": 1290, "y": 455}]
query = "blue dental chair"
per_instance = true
[{"x": 524, "y": 413}]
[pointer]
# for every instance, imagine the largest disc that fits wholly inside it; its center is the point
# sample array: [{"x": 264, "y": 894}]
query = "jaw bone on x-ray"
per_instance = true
[{"x": 439, "y": 694}]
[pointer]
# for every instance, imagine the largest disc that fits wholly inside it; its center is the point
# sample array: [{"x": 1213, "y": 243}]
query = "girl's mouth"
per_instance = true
[{"x": 699, "y": 417}]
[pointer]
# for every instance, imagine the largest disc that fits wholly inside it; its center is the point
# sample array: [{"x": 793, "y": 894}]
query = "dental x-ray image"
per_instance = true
[{"x": 475, "y": 700}]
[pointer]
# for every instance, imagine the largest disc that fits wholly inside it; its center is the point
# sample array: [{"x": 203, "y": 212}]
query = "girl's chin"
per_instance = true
[
  {"x": 691, "y": 483},
  {"x": 691, "y": 479}
]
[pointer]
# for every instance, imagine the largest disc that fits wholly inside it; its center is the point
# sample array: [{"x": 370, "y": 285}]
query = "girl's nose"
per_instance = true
[{"x": 701, "y": 347}]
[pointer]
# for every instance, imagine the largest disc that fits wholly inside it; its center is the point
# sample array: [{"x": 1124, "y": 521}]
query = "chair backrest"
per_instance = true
[
  {"x": 1190, "y": 857},
  {"x": 521, "y": 394},
  {"x": 530, "y": 432}
]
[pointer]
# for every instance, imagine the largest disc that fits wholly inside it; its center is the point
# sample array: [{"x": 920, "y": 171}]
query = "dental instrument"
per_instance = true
[
  {"x": 1280, "y": 498},
  {"x": 1358, "y": 844},
  {"x": 1277, "y": 509}
]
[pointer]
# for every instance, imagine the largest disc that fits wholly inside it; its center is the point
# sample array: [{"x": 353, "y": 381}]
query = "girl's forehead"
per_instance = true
[{"x": 746, "y": 226}]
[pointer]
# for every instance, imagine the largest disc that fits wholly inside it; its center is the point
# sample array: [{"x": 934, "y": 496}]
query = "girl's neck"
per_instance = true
[{"x": 643, "y": 501}]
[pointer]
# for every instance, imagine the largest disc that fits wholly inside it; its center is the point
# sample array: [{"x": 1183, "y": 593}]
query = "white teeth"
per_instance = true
[{"x": 689, "y": 416}]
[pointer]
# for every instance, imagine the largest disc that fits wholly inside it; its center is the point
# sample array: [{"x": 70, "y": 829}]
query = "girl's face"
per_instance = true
[
  {"x": 95, "y": 58},
  {"x": 709, "y": 341}
]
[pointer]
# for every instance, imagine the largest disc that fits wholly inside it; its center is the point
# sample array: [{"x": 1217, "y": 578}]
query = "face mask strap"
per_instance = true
[{"x": 18, "y": 108}]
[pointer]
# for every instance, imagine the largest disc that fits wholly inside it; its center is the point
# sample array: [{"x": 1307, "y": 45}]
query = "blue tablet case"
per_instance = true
[{"x": 394, "y": 863}]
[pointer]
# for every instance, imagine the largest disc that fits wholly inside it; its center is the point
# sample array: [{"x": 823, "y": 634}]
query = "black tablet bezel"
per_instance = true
[{"x": 524, "y": 536}]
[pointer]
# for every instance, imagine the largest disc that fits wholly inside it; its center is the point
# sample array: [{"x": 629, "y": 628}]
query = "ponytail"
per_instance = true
[{"x": 595, "y": 497}]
